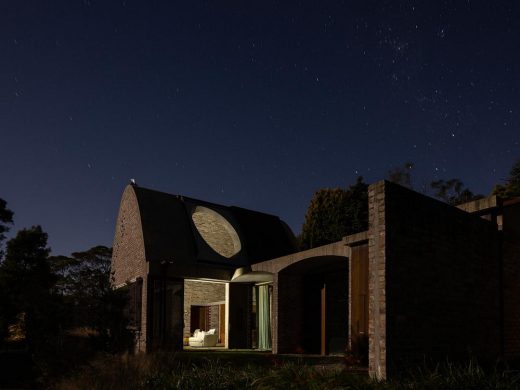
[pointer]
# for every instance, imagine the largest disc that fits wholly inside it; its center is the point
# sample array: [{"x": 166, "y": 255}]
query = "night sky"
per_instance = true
[{"x": 253, "y": 104}]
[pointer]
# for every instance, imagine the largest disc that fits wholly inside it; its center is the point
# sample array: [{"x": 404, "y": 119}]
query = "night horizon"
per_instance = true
[{"x": 256, "y": 106}]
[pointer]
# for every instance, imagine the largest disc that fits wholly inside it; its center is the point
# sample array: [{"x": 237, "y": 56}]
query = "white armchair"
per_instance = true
[{"x": 203, "y": 339}]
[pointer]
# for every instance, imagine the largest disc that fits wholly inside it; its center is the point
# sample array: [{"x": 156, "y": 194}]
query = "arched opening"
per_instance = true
[{"x": 313, "y": 306}]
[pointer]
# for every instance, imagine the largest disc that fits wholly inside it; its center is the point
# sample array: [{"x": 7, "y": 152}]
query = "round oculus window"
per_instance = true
[{"x": 216, "y": 231}]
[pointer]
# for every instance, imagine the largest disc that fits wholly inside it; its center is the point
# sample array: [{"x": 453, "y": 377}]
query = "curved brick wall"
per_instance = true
[{"x": 128, "y": 257}]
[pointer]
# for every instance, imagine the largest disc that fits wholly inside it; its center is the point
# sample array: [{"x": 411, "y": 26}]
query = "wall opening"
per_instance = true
[
  {"x": 313, "y": 306},
  {"x": 204, "y": 311}
]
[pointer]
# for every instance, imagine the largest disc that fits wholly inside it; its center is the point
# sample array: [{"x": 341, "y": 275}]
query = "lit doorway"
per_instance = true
[{"x": 205, "y": 311}]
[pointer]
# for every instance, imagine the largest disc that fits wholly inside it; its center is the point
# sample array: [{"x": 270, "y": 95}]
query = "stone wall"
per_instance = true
[{"x": 434, "y": 281}]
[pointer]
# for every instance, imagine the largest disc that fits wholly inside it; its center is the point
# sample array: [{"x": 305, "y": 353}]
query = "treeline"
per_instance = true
[
  {"x": 337, "y": 212},
  {"x": 56, "y": 308}
]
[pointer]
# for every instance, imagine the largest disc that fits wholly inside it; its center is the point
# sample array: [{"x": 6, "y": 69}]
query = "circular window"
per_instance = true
[{"x": 216, "y": 231}]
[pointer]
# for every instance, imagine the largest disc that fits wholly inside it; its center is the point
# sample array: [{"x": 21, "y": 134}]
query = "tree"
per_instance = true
[
  {"x": 334, "y": 213},
  {"x": 83, "y": 274},
  {"x": 6, "y": 219},
  {"x": 401, "y": 175},
  {"x": 511, "y": 188},
  {"x": 84, "y": 282},
  {"x": 452, "y": 191},
  {"x": 25, "y": 283}
]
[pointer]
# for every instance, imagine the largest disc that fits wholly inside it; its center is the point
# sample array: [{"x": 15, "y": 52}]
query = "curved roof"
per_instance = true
[{"x": 170, "y": 234}]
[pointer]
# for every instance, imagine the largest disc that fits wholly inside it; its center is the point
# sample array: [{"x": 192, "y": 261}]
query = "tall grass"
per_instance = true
[
  {"x": 170, "y": 371},
  {"x": 466, "y": 377}
]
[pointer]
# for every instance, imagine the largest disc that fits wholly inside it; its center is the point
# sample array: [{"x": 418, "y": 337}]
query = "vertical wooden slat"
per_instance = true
[
  {"x": 222, "y": 324},
  {"x": 359, "y": 295},
  {"x": 324, "y": 320}
]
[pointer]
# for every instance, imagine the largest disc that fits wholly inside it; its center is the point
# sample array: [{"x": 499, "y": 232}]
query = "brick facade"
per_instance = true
[
  {"x": 434, "y": 281},
  {"x": 289, "y": 314},
  {"x": 511, "y": 278},
  {"x": 506, "y": 215},
  {"x": 377, "y": 280},
  {"x": 128, "y": 258},
  {"x": 511, "y": 298}
]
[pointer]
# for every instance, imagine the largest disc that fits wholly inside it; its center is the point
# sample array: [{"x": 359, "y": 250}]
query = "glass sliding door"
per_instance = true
[{"x": 167, "y": 314}]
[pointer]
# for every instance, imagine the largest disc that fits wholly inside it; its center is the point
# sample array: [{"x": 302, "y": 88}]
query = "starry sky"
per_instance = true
[{"x": 250, "y": 103}]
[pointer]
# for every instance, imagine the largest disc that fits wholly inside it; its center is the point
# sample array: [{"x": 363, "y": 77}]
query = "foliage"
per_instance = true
[
  {"x": 65, "y": 306},
  {"x": 334, "y": 213},
  {"x": 402, "y": 175},
  {"x": 6, "y": 219},
  {"x": 84, "y": 284},
  {"x": 511, "y": 188},
  {"x": 25, "y": 283},
  {"x": 452, "y": 191},
  {"x": 178, "y": 371},
  {"x": 6, "y": 309}
]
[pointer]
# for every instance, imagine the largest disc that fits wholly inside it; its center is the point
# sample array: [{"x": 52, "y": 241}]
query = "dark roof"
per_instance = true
[
  {"x": 169, "y": 233},
  {"x": 266, "y": 236},
  {"x": 166, "y": 230}
]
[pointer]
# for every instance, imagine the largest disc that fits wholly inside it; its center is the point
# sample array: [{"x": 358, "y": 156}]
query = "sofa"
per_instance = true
[{"x": 203, "y": 338}]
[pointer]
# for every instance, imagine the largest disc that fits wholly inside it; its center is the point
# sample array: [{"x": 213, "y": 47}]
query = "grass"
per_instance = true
[{"x": 263, "y": 371}]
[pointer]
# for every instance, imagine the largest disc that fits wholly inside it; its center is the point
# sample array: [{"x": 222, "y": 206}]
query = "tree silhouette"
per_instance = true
[
  {"x": 84, "y": 283},
  {"x": 402, "y": 175},
  {"x": 452, "y": 191},
  {"x": 511, "y": 188},
  {"x": 25, "y": 285},
  {"x": 334, "y": 213},
  {"x": 6, "y": 219}
]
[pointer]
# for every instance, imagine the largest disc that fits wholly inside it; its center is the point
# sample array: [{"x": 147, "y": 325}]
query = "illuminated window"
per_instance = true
[{"x": 216, "y": 231}]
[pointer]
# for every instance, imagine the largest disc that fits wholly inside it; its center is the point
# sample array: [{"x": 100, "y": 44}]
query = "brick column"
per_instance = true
[
  {"x": 274, "y": 319},
  {"x": 376, "y": 281}
]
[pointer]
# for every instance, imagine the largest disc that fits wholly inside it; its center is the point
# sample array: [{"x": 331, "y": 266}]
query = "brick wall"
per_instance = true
[
  {"x": 434, "y": 280},
  {"x": 511, "y": 275},
  {"x": 128, "y": 258},
  {"x": 506, "y": 214},
  {"x": 376, "y": 280},
  {"x": 288, "y": 313}
]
